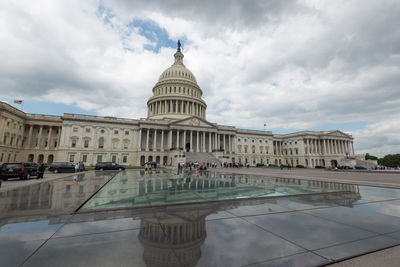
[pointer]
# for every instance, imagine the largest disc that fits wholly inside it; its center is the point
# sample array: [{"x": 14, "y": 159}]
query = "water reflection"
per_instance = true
[
  {"x": 135, "y": 189},
  {"x": 48, "y": 199}
]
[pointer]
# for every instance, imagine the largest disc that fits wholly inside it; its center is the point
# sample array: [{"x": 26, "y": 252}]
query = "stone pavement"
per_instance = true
[
  {"x": 365, "y": 178},
  {"x": 386, "y": 257}
]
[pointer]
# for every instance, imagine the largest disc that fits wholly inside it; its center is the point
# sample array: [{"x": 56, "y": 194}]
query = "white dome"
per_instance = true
[{"x": 178, "y": 70}]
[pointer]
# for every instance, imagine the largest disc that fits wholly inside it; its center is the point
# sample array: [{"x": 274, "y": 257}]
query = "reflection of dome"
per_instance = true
[
  {"x": 183, "y": 235},
  {"x": 176, "y": 94}
]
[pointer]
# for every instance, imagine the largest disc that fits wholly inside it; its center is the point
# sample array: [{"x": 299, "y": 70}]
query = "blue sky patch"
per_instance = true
[
  {"x": 47, "y": 108},
  {"x": 152, "y": 31}
]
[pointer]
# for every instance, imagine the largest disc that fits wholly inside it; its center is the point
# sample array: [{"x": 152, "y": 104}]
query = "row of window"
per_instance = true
[
  {"x": 253, "y": 140},
  {"x": 100, "y": 143},
  {"x": 177, "y": 89},
  {"x": 14, "y": 125},
  {"x": 179, "y": 74},
  {"x": 253, "y": 149},
  {"x": 87, "y": 130}
]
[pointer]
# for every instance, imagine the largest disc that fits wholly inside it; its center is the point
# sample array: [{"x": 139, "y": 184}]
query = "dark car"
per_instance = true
[
  {"x": 22, "y": 170},
  {"x": 360, "y": 168},
  {"x": 299, "y": 166},
  {"x": 57, "y": 167},
  {"x": 108, "y": 166}
]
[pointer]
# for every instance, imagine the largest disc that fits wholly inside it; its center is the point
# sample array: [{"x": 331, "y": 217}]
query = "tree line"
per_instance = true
[{"x": 391, "y": 160}]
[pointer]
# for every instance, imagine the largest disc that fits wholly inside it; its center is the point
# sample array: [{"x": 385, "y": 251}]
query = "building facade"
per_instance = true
[{"x": 175, "y": 130}]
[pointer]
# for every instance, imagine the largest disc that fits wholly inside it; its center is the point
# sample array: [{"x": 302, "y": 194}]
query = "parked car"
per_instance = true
[
  {"x": 259, "y": 165},
  {"x": 22, "y": 170},
  {"x": 57, "y": 167},
  {"x": 299, "y": 166},
  {"x": 360, "y": 168},
  {"x": 108, "y": 166}
]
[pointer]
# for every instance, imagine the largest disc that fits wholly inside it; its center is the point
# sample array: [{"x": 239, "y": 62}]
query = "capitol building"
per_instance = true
[{"x": 175, "y": 130}]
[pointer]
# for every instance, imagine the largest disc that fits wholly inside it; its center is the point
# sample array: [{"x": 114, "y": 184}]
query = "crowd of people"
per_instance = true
[
  {"x": 209, "y": 165},
  {"x": 79, "y": 167}
]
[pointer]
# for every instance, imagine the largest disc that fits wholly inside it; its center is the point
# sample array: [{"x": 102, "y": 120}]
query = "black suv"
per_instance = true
[
  {"x": 57, "y": 167},
  {"x": 22, "y": 170},
  {"x": 108, "y": 166}
]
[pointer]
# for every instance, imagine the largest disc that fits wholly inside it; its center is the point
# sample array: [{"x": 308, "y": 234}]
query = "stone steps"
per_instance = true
[{"x": 201, "y": 157}]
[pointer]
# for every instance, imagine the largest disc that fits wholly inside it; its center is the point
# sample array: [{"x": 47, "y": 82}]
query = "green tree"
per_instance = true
[
  {"x": 390, "y": 160},
  {"x": 368, "y": 156}
]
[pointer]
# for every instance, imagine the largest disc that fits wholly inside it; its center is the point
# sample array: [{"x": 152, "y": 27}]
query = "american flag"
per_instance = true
[{"x": 18, "y": 101}]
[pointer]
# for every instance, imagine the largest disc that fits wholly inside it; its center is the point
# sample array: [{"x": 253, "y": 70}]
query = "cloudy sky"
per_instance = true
[{"x": 295, "y": 65}]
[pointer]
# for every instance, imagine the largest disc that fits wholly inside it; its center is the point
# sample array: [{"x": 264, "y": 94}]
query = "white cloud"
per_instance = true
[{"x": 292, "y": 64}]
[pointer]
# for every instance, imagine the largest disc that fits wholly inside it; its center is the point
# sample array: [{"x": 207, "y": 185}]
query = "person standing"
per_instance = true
[
  {"x": 40, "y": 171},
  {"x": 77, "y": 167}
]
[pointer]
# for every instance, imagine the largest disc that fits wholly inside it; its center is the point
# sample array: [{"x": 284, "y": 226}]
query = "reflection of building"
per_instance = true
[
  {"x": 175, "y": 130},
  {"x": 180, "y": 229},
  {"x": 48, "y": 199}
]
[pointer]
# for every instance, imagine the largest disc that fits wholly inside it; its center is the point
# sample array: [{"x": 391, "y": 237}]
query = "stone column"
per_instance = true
[
  {"x": 352, "y": 148},
  {"x": 140, "y": 140},
  {"x": 209, "y": 141},
  {"x": 344, "y": 147},
  {"x": 335, "y": 146},
  {"x": 324, "y": 145},
  {"x": 191, "y": 141},
  {"x": 147, "y": 139},
  {"x": 177, "y": 139},
  {"x": 314, "y": 145},
  {"x": 204, "y": 141},
  {"x": 49, "y": 137},
  {"x": 223, "y": 142},
  {"x": 184, "y": 140},
  {"x": 229, "y": 144},
  {"x": 197, "y": 142},
  {"x": 162, "y": 141},
  {"x": 155, "y": 140},
  {"x": 2, "y": 129},
  {"x": 30, "y": 136},
  {"x": 169, "y": 139},
  {"x": 59, "y": 136},
  {"x": 40, "y": 136},
  {"x": 319, "y": 147}
]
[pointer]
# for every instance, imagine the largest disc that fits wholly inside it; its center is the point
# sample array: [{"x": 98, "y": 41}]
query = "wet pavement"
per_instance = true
[{"x": 39, "y": 224}]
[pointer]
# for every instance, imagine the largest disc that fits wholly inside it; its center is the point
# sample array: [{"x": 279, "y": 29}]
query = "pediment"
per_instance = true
[
  {"x": 193, "y": 122},
  {"x": 338, "y": 134}
]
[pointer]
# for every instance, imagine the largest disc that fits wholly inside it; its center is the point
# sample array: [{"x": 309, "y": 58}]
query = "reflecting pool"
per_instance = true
[{"x": 139, "y": 188}]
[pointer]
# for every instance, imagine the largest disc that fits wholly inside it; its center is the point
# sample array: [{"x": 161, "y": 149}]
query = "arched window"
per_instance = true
[
  {"x": 101, "y": 142},
  {"x": 253, "y": 149},
  {"x": 115, "y": 143}
]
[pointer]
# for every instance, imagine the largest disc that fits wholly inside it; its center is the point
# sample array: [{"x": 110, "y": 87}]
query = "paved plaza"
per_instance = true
[
  {"x": 376, "y": 178},
  {"x": 227, "y": 217}
]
